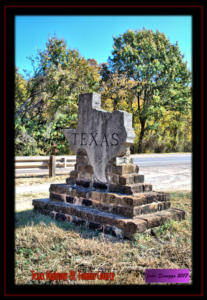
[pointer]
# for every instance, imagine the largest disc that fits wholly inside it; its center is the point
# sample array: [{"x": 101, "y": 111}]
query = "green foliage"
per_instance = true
[
  {"x": 161, "y": 78},
  {"x": 51, "y": 99},
  {"x": 21, "y": 92},
  {"x": 119, "y": 89}
]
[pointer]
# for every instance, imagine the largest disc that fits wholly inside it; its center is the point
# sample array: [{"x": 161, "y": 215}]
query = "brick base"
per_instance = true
[
  {"x": 104, "y": 221},
  {"x": 123, "y": 207}
]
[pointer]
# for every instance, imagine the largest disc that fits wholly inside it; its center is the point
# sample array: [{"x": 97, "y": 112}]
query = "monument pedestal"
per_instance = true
[
  {"x": 105, "y": 191},
  {"x": 121, "y": 209}
]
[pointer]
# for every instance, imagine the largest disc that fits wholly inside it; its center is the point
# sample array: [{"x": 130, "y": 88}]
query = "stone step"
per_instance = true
[
  {"x": 123, "y": 209},
  {"x": 150, "y": 208},
  {"x": 115, "y": 188},
  {"x": 124, "y": 169},
  {"x": 62, "y": 191},
  {"x": 131, "y": 200},
  {"x": 159, "y": 218},
  {"x": 130, "y": 189},
  {"x": 131, "y": 179},
  {"x": 85, "y": 172},
  {"x": 105, "y": 221},
  {"x": 126, "y": 179}
]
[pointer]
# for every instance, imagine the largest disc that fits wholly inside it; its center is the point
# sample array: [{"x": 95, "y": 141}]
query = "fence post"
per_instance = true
[
  {"x": 64, "y": 162},
  {"x": 52, "y": 166}
]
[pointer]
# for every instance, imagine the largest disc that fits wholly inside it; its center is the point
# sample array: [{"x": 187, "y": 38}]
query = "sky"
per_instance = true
[{"x": 93, "y": 35}]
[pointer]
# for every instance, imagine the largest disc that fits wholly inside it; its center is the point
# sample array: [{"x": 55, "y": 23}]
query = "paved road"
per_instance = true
[
  {"x": 166, "y": 172},
  {"x": 162, "y": 160}
]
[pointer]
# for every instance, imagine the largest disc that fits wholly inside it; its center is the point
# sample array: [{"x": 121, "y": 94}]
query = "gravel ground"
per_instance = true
[
  {"x": 32, "y": 188},
  {"x": 172, "y": 178}
]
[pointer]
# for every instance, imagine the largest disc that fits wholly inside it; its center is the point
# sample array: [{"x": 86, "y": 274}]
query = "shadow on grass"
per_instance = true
[{"x": 32, "y": 218}]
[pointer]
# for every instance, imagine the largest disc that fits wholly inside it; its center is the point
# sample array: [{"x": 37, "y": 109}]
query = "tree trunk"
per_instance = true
[
  {"x": 174, "y": 139},
  {"x": 141, "y": 135},
  {"x": 115, "y": 103}
]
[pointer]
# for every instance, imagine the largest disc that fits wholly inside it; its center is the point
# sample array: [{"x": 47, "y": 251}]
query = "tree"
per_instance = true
[
  {"x": 60, "y": 75},
  {"x": 22, "y": 139},
  {"x": 21, "y": 92},
  {"x": 119, "y": 89},
  {"x": 156, "y": 66}
]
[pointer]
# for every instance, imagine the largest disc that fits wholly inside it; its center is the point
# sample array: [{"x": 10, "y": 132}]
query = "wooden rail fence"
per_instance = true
[{"x": 44, "y": 162}]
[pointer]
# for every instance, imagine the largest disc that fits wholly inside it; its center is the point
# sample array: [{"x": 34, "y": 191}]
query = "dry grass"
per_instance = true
[
  {"x": 25, "y": 181},
  {"x": 44, "y": 244},
  {"x": 23, "y": 202}
]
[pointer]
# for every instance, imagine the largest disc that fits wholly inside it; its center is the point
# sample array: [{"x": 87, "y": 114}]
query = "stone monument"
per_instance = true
[{"x": 106, "y": 191}]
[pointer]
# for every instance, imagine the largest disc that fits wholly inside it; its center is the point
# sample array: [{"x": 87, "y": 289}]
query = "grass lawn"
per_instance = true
[{"x": 43, "y": 244}]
